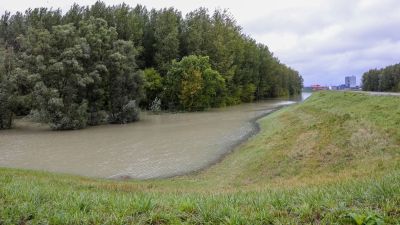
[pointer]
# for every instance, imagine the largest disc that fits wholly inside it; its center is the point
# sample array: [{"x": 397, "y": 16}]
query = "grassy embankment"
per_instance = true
[{"x": 332, "y": 159}]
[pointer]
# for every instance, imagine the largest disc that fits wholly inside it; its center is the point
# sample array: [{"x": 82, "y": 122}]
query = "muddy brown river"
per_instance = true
[{"x": 156, "y": 146}]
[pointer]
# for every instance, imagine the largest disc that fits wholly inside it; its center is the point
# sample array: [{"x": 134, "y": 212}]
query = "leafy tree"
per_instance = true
[
  {"x": 130, "y": 26},
  {"x": 192, "y": 85},
  {"x": 57, "y": 94},
  {"x": 247, "y": 72},
  {"x": 6, "y": 103},
  {"x": 248, "y": 91},
  {"x": 125, "y": 85},
  {"x": 98, "y": 40},
  {"x": 11, "y": 27},
  {"x": 7, "y": 96},
  {"x": 166, "y": 24},
  {"x": 386, "y": 79},
  {"x": 74, "y": 15},
  {"x": 224, "y": 39},
  {"x": 264, "y": 80},
  {"x": 153, "y": 86},
  {"x": 43, "y": 18},
  {"x": 100, "y": 10},
  {"x": 196, "y": 33}
]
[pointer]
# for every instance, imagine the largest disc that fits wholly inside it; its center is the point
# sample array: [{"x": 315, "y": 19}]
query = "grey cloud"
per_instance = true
[{"x": 363, "y": 38}]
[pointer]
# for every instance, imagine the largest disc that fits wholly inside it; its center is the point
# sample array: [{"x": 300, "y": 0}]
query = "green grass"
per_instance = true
[{"x": 334, "y": 159}]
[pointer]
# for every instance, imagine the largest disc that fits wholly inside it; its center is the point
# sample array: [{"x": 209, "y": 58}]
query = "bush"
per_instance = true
[
  {"x": 156, "y": 105},
  {"x": 248, "y": 93},
  {"x": 53, "y": 110},
  {"x": 129, "y": 113},
  {"x": 193, "y": 85},
  {"x": 153, "y": 86}
]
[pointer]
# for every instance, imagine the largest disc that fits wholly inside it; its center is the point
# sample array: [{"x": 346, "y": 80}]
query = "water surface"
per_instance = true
[{"x": 156, "y": 146}]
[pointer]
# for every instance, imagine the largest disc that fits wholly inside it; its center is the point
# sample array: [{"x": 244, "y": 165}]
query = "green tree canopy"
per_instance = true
[
  {"x": 153, "y": 85},
  {"x": 85, "y": 67},
  {"x": 191, "y": 84},
  {"x": 386, "y": 79}
]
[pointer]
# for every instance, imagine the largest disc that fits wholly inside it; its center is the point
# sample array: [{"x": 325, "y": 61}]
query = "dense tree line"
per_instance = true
[
  {"x": 98, "y": 64},
  {"x": 386, "y": 79}
]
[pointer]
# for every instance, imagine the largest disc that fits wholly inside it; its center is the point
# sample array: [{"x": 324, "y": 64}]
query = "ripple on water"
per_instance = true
[{"x": 157, "y": 146}]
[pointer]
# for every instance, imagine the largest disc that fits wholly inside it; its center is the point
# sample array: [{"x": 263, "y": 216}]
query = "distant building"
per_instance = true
[
  {"x": 333, "y": 88},
  {"x": 351, "y": 81},
  {"x": 342, "y": 87},
  {"x": 317, "y": 87}
]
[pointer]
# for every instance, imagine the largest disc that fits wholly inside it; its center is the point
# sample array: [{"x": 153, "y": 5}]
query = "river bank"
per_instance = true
[
  {"x": 157, "y": 146},
  {"x": 329, "y": 160}
]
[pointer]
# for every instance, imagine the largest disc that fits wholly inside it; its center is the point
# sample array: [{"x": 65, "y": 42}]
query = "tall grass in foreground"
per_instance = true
[
  {"x": 333, "y": 159},
  {"x": 37, "y": 198}
]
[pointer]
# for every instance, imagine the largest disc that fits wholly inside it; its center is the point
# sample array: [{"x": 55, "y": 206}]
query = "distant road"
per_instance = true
[{"x": 379, "y": 93}]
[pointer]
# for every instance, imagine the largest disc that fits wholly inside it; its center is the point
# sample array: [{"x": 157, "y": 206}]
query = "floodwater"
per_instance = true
[{"x": 156, "y": 146}]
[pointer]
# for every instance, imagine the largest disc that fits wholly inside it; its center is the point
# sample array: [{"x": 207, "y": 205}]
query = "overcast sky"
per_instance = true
[{"x": 325, "y": 40}]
